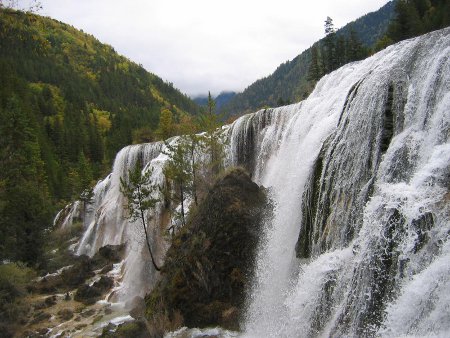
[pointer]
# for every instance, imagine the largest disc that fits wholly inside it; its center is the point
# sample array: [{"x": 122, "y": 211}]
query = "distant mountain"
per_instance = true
[
  {"x": 289, "y": 81},
  {"x": 222, "y": 99},
  {"x": 201, "y": 100}
]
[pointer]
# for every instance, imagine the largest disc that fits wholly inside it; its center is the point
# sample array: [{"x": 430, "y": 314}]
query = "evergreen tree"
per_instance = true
[
  {"x": 329, "y": 59},
  {"x": 139, "y": 192},
  {"x": 166, "y": 125},
  {"x": 341, "y": 51},
  {"x": 213, "y": 140},
  {"x": 179, "y": 171},
  {"x": 315, "y": 67},
  {"x": 24, "y": 201},
  {"x": 189, "y": 128},
  {"x": 85, "y": 175},
  {"x": 415, "y": 17}
]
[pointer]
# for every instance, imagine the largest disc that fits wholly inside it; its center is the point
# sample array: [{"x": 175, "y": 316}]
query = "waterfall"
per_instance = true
[
  {"x": 106, "y": 222},
  {"x": 359, "y": 175}
]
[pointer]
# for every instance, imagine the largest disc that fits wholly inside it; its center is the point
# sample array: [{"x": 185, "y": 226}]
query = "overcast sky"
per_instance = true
[{"x": 202, "y": 45}]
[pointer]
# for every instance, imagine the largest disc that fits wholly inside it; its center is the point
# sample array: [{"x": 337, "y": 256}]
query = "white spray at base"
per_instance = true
[{"x": 359, "y": 174}]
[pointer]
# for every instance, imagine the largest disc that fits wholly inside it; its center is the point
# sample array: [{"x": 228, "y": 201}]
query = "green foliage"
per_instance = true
[
  {"x": 166, "y": 126},
  {"x": 139, "y": 191},
  {"x": 209, "y": 263},
  {"x": 315, "y": 70},
  {"x": 126, "y": 330},
  {"x": 372, "y": 26},
  {"x": 212, "y": 141},
  {"x": 24, "y": 206},
  {"x": 187, "y": 170},
  {"x": 68, "y": 103},
  {"x": 415, "y": 17},
  {"x": 14, "y": 278},
  {"x": 334, "y": 52},
  {"x": 143, "y": 135},
  {"x": 178, "y": 170},
  {"x": 56, "y": 247}
]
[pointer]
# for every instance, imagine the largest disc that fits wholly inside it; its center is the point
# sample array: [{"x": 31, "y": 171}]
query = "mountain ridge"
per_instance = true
[{"x": 289, "y": 83}]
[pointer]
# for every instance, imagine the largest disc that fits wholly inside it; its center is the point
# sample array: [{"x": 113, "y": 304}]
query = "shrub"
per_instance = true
[{"x": 14, "y": 278}]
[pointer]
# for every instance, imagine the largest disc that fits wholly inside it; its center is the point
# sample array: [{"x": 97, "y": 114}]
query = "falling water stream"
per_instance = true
[{"x": 360, "y": 177}]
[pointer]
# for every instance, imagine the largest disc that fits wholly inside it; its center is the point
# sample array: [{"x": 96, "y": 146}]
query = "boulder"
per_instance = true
[
  {"x": 91, "y": 294},
  {"x": 107, "y": 255},
  {"x": 210, "y": 261}
]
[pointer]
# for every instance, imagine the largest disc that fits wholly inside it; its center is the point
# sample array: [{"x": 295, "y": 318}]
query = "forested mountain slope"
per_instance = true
[
  {"x": 289, "y": 82},
  {"x": 68, "y": 103}
]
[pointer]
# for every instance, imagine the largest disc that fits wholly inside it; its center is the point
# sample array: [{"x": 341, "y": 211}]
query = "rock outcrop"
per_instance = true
[{"x": 209, "y": 264}]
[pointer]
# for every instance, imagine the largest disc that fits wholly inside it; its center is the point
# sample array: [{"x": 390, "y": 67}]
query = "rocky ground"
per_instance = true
[{"x": 74, "y": 300}]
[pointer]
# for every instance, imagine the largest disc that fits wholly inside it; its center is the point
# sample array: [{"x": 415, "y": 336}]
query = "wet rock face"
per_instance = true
[
  {"x": 90, "y": 294},
  {"x": 209, "y": 264},
  {"x": 82, "y": 270},
  {"x": 107, "y": 255}
]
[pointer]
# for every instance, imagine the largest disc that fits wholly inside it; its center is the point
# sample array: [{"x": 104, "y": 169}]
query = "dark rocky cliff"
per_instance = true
[{"x": 209, "y": 264}]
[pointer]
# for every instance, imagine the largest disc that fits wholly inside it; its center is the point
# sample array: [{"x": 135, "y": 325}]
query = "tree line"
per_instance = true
[
  {"x": 334, "y": 51},
  {"x": 414, "y": 18}
]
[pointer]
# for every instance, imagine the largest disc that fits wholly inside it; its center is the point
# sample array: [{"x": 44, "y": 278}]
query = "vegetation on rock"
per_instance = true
[{"x": 209, "y": 263}]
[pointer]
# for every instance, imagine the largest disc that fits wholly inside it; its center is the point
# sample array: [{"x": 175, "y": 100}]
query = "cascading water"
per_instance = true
[
  {"x": 359, "y": 174},
  {"x": 106, "y": 222}
]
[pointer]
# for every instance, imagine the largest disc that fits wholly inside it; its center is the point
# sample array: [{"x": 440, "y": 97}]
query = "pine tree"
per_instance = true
[
  {"x": 139, "y": 192},
  {"x": 213, "y": 140},
  {"x": 84, "y": 173},
  {"x": 329, "y": 59},
  {"x": 179, "y": 171},
  {"x": 24, "y": 202},
  {"x": 315, "y": 68},
  {"x": 166, "y": 125},
  {"x": 189, "y": 128}
]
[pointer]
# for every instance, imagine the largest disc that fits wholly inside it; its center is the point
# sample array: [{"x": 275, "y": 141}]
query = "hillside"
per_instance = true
[
  {"x": 68, "y": 103},
  {"x": 289, "y": 82},
  {"x": 371, "y": 26}
]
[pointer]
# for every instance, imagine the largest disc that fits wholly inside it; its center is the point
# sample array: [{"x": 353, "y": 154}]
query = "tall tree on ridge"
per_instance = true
[{"x": 329, "y": 58}]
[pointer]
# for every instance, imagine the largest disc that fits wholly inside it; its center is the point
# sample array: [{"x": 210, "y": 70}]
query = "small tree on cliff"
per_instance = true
[
  {"x": 178, "y": 170},
  {"x": 212, "y": 140},
  {"x": 138, "y": 191}
]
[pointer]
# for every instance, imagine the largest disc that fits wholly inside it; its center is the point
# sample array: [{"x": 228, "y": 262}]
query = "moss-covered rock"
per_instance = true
[
  {"x": 82, "y": 269},
  {"x": 209, "y": 264}
]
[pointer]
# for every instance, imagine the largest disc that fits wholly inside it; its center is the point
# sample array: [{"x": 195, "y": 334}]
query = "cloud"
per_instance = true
[{"x": 202, "y": 45}]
